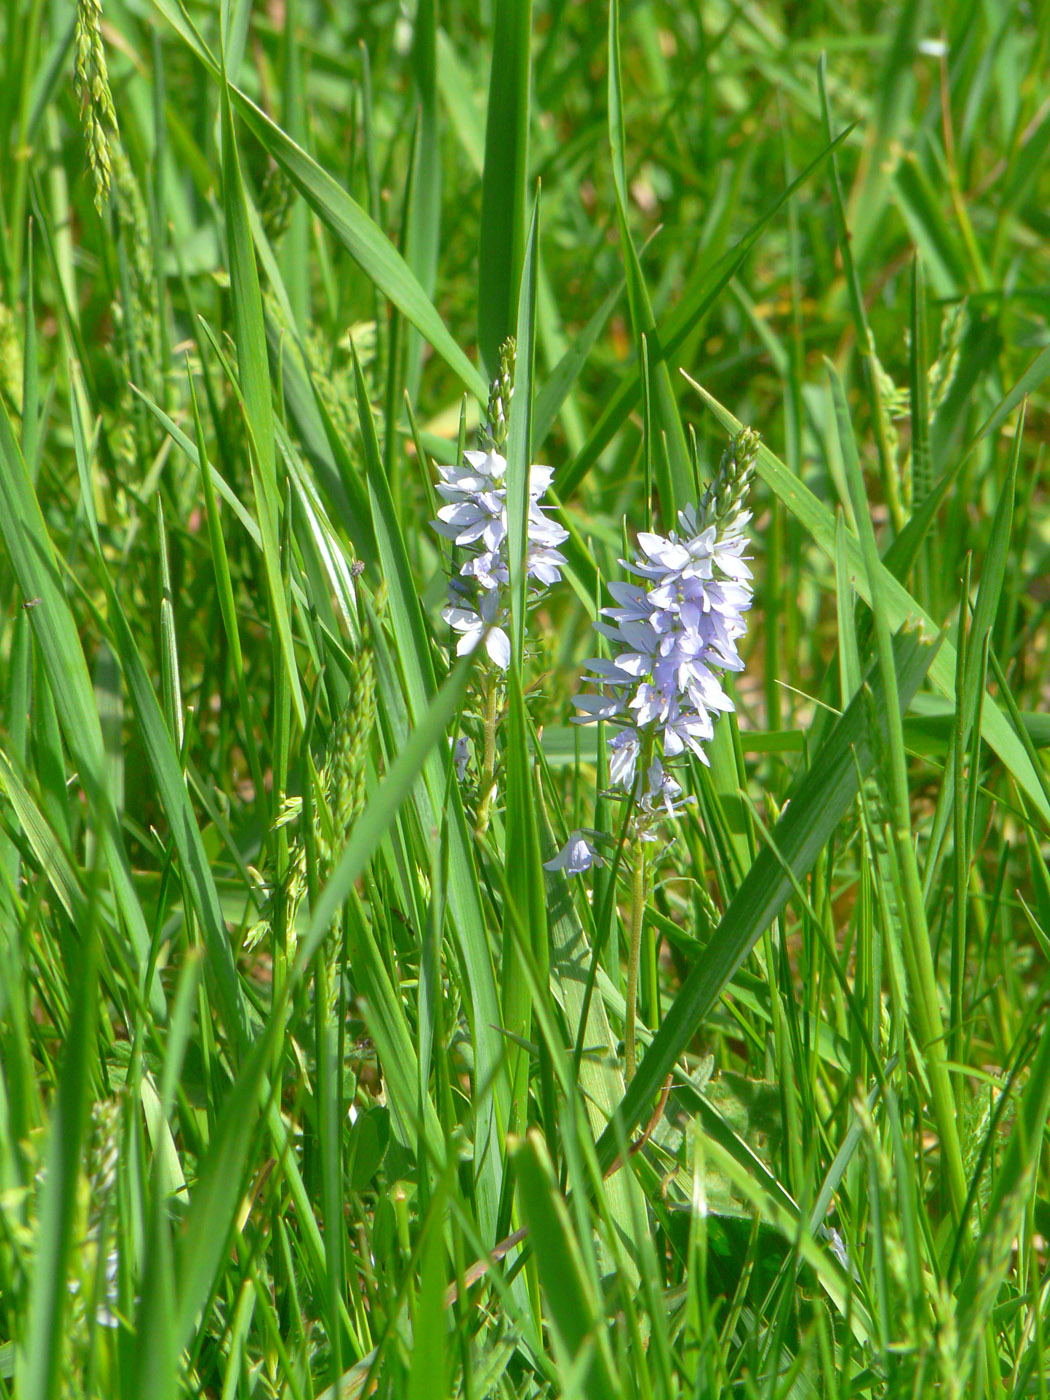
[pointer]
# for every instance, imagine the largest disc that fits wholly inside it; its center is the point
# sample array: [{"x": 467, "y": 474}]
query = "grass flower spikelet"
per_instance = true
[{"x": 91, "y": 80}]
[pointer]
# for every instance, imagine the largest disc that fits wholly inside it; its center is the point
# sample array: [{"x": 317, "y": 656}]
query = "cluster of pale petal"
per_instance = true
[
  {"x": 674, "y": 634},
  {"x": 475, "y": 519}
]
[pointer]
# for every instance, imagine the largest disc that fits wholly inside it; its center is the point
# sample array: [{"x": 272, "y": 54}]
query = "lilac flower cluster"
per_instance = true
[
  {"x": 675, "y": 633},
  {"x": 475, "y": 519}
]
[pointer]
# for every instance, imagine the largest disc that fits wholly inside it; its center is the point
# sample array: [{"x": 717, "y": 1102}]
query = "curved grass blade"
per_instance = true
[
  {"x": 900, "y": 605},
  {"x": 363, "y": 239}
]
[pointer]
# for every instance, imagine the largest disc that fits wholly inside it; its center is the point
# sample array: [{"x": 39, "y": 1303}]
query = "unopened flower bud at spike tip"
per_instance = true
[
  {"x": 723, "y": 501},
  {"x": 501, "y": 393}
]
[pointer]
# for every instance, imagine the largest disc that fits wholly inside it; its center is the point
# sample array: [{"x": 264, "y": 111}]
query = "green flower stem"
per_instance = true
[
  {"x": 488, "y": 762},
  {"x": 634, "y": 954},
  {"x": 638, "y": 894}
]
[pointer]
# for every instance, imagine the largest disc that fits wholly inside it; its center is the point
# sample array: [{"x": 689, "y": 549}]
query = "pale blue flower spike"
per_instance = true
[
  {"x": 475, "y": 519},
  {"x": 675, "y": 632}
]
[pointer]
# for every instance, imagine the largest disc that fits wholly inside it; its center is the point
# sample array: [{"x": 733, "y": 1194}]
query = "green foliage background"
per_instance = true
[{"x": 291, "y": 1043}]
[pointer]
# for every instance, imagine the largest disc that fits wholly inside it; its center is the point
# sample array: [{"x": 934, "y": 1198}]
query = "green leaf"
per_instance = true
[
  {"x": 576, "y": 1315},
  {"x": 427, "y": 1378},
  {"x": 524, "y": 871}
]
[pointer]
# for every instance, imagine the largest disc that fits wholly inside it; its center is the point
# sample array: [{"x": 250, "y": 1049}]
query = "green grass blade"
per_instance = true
[
  {"x": 670, "y": 454},
  {"x": 464, "y": 898},
  {"x": 175, "y": 800},
  {"x": 253, "y": 379},
  {"x": 32, "y": 555},
  {"x": 681, "y": 322},
  {"x": 360, "y": 235},
  {"x": 575, "y": 1308},
  {"x": 42, "y": 1348},
  {"x": 524, "y": 872},
  {"x": 505, "y": 178}
]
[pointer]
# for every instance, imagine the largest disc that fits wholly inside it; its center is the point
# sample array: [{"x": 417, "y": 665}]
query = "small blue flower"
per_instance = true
[{"x": 576, "y": 856}]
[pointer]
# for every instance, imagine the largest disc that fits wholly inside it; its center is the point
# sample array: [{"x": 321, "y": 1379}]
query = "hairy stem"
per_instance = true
[
  {"x": 488, "y": 762},
  {"x": 634, "y": 955}
]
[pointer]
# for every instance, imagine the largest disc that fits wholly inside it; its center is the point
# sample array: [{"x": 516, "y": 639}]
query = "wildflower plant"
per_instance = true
[
  {"x": 311, "y": 1075},
  {"x": 674, "y": 630}
]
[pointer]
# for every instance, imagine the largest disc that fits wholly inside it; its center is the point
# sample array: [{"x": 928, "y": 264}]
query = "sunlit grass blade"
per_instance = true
[
  {"x": 504, "y": 180},
  {"x": 423, "y": 233},
  {"x": 524, "y": 873}
]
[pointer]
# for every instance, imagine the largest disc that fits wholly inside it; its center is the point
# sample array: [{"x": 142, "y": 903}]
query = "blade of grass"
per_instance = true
[
  {"x": 464, "y": 897},
  {"x": 42, "y": 1348},
  {"x": 915, "y": 935},
  {"x": 32, "y": 555},
  {"x": 253, "y": 379},
  {"x": 360, "y": 235},
  {"x": 691, "y": 309},
  {"x": 524, "y": 871},
  {"x": 671, "y": 458},
  {"x": 575, "y": 1308},
  {"x": 504, "y": 179}
]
